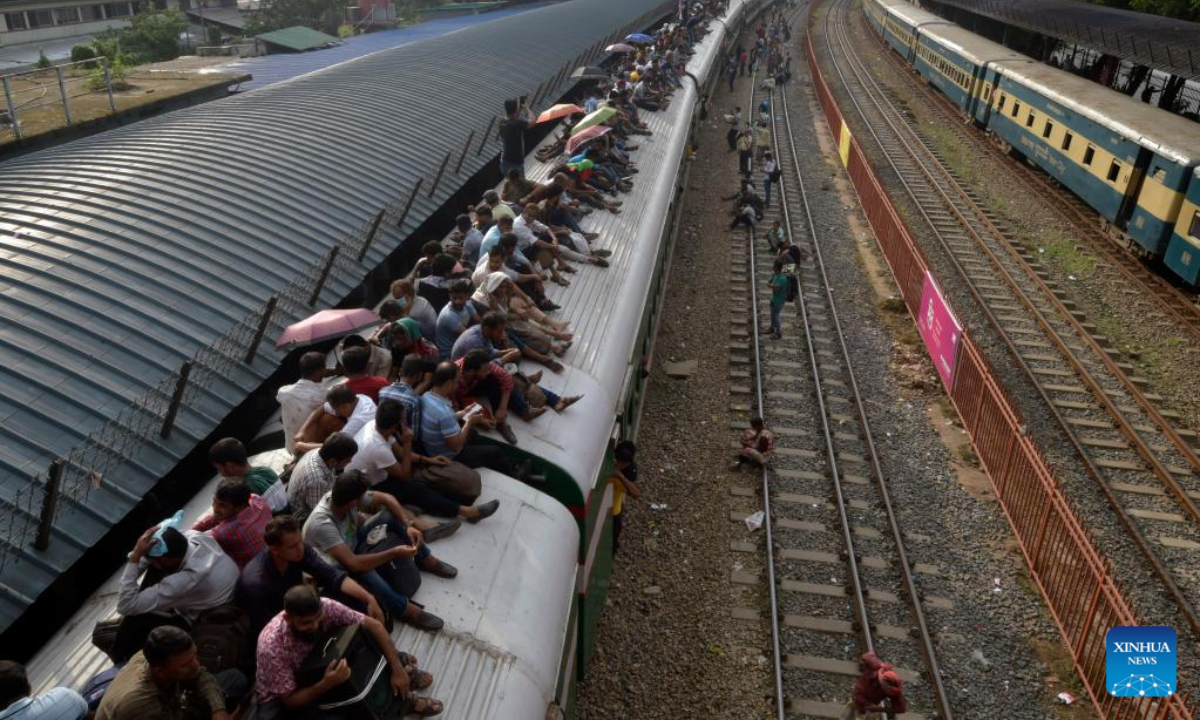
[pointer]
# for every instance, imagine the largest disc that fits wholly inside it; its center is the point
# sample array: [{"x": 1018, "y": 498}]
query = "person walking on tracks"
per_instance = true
[
  {"x": 745, "y": 146},
  {"x": 878, "y": 683},
  {"x": 779, "y": 294}
]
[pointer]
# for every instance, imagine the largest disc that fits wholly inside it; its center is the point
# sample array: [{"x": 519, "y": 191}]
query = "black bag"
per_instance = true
[
  {"x": 222, "y": 637},
  {"x": 367, "y": 695},
  {"x": 776, "y": 174},
  {"x": 401, "y": 575},
  {"x": 793, "y": 288}
]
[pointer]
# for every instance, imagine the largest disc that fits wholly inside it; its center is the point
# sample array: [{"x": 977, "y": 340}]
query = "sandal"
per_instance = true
[
  {"x": 426, "y": 707},
  {"x": 555, "y": 366},
  {"x": 560, "y": 280},
  {"x": 420, "y": 680},
  {"x": 564, "y": 403},
  {"x": 535, "y": 378}
]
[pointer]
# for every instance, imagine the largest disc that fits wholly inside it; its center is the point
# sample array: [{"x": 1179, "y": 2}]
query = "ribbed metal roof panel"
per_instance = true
[{"x": 125, "y": 254}]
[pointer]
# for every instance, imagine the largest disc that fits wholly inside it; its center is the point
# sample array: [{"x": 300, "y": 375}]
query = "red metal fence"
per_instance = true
[{"x": 1074, "y": 577}]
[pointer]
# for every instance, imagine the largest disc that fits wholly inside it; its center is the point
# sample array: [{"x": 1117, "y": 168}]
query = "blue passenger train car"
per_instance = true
[{"x": 1131, "y": 162}]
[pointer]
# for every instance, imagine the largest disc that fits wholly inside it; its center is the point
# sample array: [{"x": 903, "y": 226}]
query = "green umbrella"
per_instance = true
[{"x": 597, "y": 117}]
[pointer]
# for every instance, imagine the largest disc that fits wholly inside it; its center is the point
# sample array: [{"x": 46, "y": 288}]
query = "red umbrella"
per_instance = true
[
  {"x": 586, "y": 135},
  {"x": 327, "y": 324},
  {"x": 558, "y": 111}
]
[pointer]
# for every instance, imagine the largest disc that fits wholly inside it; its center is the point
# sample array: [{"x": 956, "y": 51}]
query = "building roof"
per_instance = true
[
  {"x": 297, "y": 38},
  {"x": 1167, "y": 44},
  {"x": 126, "y": 254}
]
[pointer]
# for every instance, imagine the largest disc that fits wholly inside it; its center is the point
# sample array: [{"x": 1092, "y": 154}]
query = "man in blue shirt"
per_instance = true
[
  {"x": 487, "y": 335},
  {"x": 407, "y": 388},
  {"x": 455, "y": 318},
  {"x": 442, "y": 436},
  {"x": 17, "y": 703}
]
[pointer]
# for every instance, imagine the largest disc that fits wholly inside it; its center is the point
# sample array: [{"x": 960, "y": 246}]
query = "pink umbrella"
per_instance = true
[
  {"x": 586, "y": 135},
  {"x": 558, "y": 111},
  {"x": 327, "y": 324}
]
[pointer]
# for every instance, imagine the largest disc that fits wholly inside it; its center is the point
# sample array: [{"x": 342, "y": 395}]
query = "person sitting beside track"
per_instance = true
[
  {"x": 164, "y": 681},
  {"x": 228, "y": 457},
  {"x": 414, "y": 306},
  {"x": 455, "y": 317},
  {"x": 184, "y": 576},
  {"x": 298, "y": 400},
  {"x": 282, "y": 565},
  {"x": 17, "y": 701},
  {"x": 342, "y": 536},
  {"x": 343, "y": 411},
  {"x": 237, "y": 521},
  {"x": 439, "y": 486},
  {"x": 758, "y": 445},
  {"x": 877, "y": 683},
  {"x": 356, "y": 362}
]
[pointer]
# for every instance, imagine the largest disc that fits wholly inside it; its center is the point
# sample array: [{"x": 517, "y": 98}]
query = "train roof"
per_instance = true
[
  {"x": 506, "y": 613},
  {"x": 124, "y": 254},
  {"x": 969, "y": 45},
  {"x": 908, "y": 12},
  {"x": 1170, "y": 135}
]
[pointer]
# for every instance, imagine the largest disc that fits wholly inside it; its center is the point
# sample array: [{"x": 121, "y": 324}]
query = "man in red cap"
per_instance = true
[{"x": 878, "y": 682}]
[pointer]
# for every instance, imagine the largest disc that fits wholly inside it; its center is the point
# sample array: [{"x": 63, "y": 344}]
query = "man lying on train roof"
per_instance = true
[
  {"x": 343, "y": 411},
  {"x": 437, "y": 485},
  {"x": 283, "y": 565},
  {"x": 288, "y": 639},
  {"x": 237, "y": 521},
  {"x": 164, "y": 681},
  {"x": 184, "y": 576},
  {"x": 343, "y": 536}
]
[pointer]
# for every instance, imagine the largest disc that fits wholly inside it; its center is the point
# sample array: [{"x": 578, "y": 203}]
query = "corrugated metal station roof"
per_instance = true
[
  {"x": 125, "y": 254},
  {"x": 298, "y": 38},
  {"x": 1167, "y": 44}
]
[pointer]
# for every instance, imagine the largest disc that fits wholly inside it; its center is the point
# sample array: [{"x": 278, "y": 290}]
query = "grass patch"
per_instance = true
[
  {"x": 894, "y": 305},
  {"x": 1061, "y": 253}
]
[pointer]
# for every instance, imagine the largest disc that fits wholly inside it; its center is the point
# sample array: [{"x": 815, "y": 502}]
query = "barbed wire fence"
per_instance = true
[{"x": 28, "y": 514}]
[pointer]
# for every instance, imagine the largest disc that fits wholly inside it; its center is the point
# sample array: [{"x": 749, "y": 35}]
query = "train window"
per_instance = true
[
  {"x": 1049, "y": 128},
  {"x": 1194, "y": 231},
  {"x": 1089, "y": 155},
  {"x": 1067, "y": 138},
  {"x": 1003, "y": 98},
  {"x": 1114, "y": 171},
  {"x": 1029, "y": 119},
  {"x": 1016, "y": 109},
  {"x": 987, "y": 94}
]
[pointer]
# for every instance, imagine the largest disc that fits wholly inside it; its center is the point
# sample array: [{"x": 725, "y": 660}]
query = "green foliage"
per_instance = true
[
  {"x": 322, "y": 15},
  {"x": 153, "y": 35},
  {"x": 107, "y": 44},
  {"x": 116, "y": 72},
  {"x": 43, "y": 61},
  {"x": 345, "y": 30},
  {"x": 1183, "y": 9},
  {"x": 83, "y": 53}
]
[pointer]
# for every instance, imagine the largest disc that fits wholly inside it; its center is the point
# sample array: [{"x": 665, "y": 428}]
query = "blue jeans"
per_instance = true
[
  {"x": 776, "y": 312},
  {"x": 409, "y": 578},
  {"x": 767, "y": 190}
]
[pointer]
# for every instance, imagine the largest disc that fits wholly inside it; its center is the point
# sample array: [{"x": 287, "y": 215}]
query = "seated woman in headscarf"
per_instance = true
[
  {"x": 525, "y": 320},
  {"x": 406, "y": 340}
]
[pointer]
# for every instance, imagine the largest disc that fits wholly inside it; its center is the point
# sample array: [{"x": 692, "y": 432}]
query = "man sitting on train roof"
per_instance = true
[
  {"x": 518, "y": 328},
  {"x": 379, "y": 361},
  {"x": 164, "y": 681},
  {"x": 18, "y": 703},
  {"x": 455, "y": 317},
  {"x": 184, "y": 576},
  {"x": 288, "y": 639},
  {"x": 407, "y": 341},
  {"x": 228, "y": 457},
  {"x": 467, "y": 237},
  {"x": 369, "y": 549},
  {"x": 441, "y": 435},
  {"x": 404, "y": 291},
  {"x": 356, "y": 362},
  {"x": 343, "y": 411},
  {"x": 298, "y": 400},
  {"x": 437, "y": 485},
  {"x": 436, "y": 287},
  {"x": 483, "y": 380},
  {"x": 237, "y": 521},
  {"x": 412, "y": 381},
  {"x": 283, "y": 565},
  {"x": 315, "y": 472}
]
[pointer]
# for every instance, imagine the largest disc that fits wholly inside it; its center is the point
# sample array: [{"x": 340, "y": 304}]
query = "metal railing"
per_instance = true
[{"x": 26, "y": 92}]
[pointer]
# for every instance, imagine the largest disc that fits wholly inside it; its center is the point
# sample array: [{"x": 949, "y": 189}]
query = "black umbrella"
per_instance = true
[{"x": 589, "y": 72}]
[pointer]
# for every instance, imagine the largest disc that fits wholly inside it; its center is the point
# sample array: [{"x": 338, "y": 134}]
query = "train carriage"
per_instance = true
[
  {"x": 960, "y": 64},
  {"x": 1131, "y": 162},
  {"x": 1183, "y": 249},
  {"x": 897, "y": 22}
]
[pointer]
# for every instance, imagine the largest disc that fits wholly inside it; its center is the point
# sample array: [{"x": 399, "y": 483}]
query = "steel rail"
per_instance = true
[
  {"x": 781, "y": 114},
  {"x": 1156, "y": 564}
]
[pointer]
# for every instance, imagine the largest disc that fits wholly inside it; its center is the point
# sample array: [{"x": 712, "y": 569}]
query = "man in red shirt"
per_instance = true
[
  {"x": 355, "y": 360},
  {"x": 878, "y": 682},
  {"x": 237, "y": 521}
]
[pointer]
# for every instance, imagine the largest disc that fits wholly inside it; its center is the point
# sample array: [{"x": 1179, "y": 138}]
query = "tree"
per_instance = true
[
  {"x": 153, "y": 35},
  {"x": 323, "y": 15}
]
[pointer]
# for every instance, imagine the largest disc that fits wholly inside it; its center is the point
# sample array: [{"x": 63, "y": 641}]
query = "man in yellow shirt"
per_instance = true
[{"x": 623, "y": 479}]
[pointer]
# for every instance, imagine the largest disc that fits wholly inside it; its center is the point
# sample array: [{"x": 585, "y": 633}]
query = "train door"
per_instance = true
[{"x": 1133, "y": 189}]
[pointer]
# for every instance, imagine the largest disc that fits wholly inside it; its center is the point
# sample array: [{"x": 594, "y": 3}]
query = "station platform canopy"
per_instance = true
[{"x": 1162, "y": 43}]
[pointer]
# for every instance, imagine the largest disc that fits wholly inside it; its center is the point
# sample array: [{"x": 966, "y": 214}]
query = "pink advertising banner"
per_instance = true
[{"x": 940, "y": 330}]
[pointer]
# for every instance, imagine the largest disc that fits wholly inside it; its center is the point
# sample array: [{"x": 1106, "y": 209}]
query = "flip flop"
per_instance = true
[
  {"x": 421, "y": 680},
  {"x": 429, "y": 707}
]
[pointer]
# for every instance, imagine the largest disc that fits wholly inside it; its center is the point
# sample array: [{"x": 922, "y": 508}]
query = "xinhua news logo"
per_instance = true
[{"x": 1140, "y": 661}]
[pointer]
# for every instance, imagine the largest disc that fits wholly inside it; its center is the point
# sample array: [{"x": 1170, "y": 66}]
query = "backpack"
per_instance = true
[
  {"x": 776, "y": 174},
  {"x": 93, "y": 691},
  {"x": 793, "y": 290},
  {"x": 223, "y": 640}
]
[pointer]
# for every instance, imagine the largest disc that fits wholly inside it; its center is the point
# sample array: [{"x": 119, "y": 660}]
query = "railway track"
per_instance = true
[
  {"x": 841, "y": 581},
  {"x": 1149, "y": 289},
  {"x": 1144, "y": 467}
]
